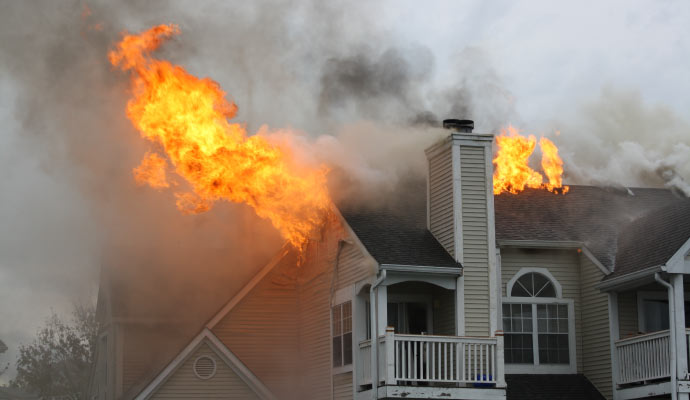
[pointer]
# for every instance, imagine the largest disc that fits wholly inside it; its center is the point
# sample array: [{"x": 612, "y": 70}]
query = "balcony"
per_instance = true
[
  {"x": 434, "y": 366},
  {"x": 643, "y": 365}
]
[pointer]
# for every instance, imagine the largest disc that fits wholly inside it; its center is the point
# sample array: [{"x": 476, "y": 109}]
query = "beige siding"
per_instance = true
[
  {"x": 564, "y": 265},
  {"x": 262, "y": 329},
  {"x": 441, "y": 199},
  {"x": 184, "y": 384},
  {"x": 281, "y": 330},
  {"x": 627, "y": 314},
  {"x": 342, "y": 386},
  {"x": 596, "y": 351},
  {"x": 475, "y": 240}
]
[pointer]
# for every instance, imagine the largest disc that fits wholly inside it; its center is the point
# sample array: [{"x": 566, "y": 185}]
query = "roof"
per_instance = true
[
  {"x": 396, "y": 233},
  {"x": 652, "y": 239},
  {"x": 7, "y": 393},
  {"x": 550, "y": 387},
  {"x": 588, "y": 214}
]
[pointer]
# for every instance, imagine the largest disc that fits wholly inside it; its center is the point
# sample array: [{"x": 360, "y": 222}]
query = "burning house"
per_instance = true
[{"x": 471, "y": 286}]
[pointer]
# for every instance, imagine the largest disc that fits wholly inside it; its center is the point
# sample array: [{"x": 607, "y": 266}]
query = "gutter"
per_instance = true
[
  {"x": 374, "y": 335},
  {"x": 672, "y": 333},
  {"x": 616, "y": 283}
]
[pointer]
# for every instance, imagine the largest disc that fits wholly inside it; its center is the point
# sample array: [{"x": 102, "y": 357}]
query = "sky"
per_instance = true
[{"x": 607, "y": 80}]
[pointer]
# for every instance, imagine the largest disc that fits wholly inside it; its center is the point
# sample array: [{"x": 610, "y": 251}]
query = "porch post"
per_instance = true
[
  {"x": 681, "y": 337},
  {"x": 500, "y": 361},
  {"x": 460, "y": 306},
  {"x": 390, "y": 356},
  {"x": 614, "y": 335}
]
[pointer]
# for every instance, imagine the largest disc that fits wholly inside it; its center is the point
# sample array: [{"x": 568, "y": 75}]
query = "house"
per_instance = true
[{"x": 469, "y": 295}]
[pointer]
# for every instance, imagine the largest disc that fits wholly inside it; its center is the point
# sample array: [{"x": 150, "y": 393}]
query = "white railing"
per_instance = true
[
  {"x": 434, "y": 359},
  {"x": 643, "y": 358}
]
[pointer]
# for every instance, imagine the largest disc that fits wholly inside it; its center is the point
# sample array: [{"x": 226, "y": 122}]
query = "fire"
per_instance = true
[
  {"x": 512, "y": 172},
  {"x": 189, "y": 118}
]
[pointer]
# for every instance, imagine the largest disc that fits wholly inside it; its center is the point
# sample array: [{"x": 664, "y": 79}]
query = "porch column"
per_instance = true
[
  {"x": 614, "y": 334},
  {"x": 681, "y": 337},
  {"x": 460, "y": 306}
]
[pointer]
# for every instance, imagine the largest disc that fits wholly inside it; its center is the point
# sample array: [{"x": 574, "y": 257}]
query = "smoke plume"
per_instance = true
[{"x": 351, "y": 94}]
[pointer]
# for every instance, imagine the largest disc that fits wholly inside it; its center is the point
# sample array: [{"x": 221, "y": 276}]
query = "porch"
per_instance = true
[
  {"x": 418, "y": 353},
  {"x": 650, "y": 340}
]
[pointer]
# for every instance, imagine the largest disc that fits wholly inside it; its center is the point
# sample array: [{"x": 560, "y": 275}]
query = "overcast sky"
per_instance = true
[{"x": 550, "y": 63}]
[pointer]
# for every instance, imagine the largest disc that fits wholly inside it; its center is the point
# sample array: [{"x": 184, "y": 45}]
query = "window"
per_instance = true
[
  {"x": 342, "y": 334},
  {"x": 537, "y": 323}
]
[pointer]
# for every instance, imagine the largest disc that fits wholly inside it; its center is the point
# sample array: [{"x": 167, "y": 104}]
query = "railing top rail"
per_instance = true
[
  {"x": 642, "y": 337},
  {"x": 445, "y": 338}
]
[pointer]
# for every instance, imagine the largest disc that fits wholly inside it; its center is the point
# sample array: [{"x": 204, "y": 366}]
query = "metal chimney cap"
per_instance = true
[{"x": 459, "y": 125}]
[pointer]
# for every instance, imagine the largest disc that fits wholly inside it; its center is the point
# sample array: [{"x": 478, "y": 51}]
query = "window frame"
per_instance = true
[
  {"x": 536, "y": 367},
  {"x": 341, "y": 297}
]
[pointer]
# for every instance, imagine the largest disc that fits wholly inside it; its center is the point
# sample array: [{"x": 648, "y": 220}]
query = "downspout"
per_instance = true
[
  {"x": 375, "y": 335},
  {"x": 672, "y": 333}
]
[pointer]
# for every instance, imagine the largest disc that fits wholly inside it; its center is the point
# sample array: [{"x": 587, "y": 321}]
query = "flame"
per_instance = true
[
  {"x": 151, "y": 171},
  {"x": 188, "y": 117},
  {"x": 552, "y": 165},
  {"x": 512, "y": 172}
]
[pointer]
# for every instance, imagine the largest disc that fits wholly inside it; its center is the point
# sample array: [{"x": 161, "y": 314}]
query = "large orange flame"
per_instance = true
[
  {"x": 188, "y": 117},
  {"x": 512, "y": 172}
]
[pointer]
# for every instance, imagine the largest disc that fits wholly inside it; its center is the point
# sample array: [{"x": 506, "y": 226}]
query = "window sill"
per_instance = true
[{"x": 342, "y": 370}]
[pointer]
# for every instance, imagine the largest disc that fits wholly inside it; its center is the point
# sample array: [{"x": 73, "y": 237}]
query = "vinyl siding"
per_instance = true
[
  {"x": 564, "y": 265},
  {"x": 342, "y": 386},
  {"x": 184, "y": 384},
  {"x": 281, "y": 330},
  {"x": 316, "y": 285},
  {"x": 441, "y": 199},
  {"x": 596, "y": 352},
  {"x": 262, "y": 329},
  {"x": 627, "y": 314},
  {"x": 475, "y": 240}
]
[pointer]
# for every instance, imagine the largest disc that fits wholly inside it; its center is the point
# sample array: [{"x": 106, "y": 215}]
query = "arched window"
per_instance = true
[
  {"x": 538, "y": 323},
  {"x": 533, "y": 284}
]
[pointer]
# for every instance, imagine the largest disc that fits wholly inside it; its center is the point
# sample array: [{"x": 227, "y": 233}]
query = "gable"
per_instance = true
[
  {"x": 184, "y": 382},
  {"x": 220, "y": 375}
]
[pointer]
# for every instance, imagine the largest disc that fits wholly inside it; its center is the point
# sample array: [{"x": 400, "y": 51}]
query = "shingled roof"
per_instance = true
[
  {"x": 588, "y": 214},
  {"x": 652, "y": 239},
  {"x": 397, "y": 233}
]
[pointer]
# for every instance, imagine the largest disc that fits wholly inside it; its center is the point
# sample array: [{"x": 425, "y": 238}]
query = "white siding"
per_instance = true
[
  {"x": 596, "y": 353},
  {"x": 184, "y": 384},
  {"x": 441, "y": 199},
  {"x": 475, "y": 240},
  {"x": 564, "y": 265}
]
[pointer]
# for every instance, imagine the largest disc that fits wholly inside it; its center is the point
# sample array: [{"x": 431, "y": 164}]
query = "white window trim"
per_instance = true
[
  {"x": 343, "y": 296},
  {"x": 537, "y": 368},
  {"x": 527, "y": 270}
]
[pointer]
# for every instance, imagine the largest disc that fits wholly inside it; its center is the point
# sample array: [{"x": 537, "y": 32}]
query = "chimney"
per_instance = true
[{"x": 460, "y": 215}]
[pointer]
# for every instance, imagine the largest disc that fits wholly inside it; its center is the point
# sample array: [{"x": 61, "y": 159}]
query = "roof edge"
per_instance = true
[
  {"x": 627, "y": 279},
  {"x": 228, "y": 357},
  {"x": 284, "y": 250}
]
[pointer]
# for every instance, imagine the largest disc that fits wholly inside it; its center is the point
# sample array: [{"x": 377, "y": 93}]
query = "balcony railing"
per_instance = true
[
  {"x": 643, "y": 358},
  {"x": 411, "y": 359}
]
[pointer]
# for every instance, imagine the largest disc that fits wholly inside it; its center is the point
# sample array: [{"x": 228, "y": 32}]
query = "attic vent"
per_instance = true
[{"x": 205, "y": 367}]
